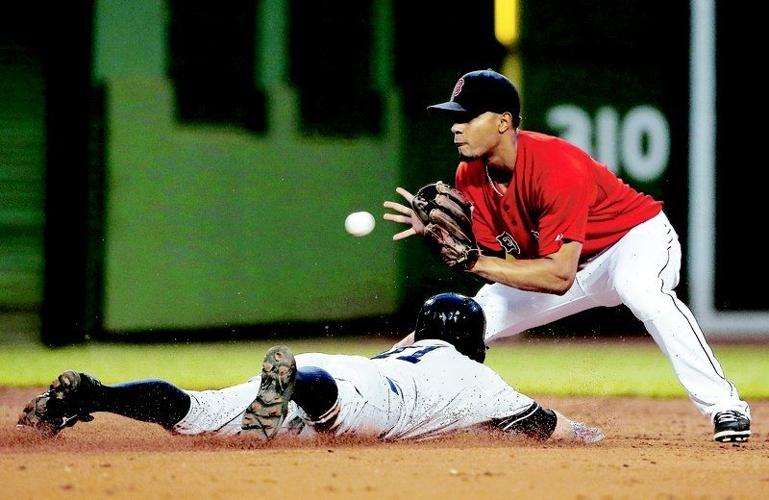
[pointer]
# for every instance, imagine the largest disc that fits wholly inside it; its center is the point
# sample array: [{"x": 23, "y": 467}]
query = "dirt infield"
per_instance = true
[{"x": 654, "y": 448}]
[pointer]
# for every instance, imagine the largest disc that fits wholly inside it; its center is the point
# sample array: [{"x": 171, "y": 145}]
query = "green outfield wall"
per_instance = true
[
  {"x": 210, "y": 225},
  {"x": 172, "y": 168}
]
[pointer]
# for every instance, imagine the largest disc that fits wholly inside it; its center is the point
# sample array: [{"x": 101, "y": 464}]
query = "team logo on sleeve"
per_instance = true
[{"x": 508, "y": 243}]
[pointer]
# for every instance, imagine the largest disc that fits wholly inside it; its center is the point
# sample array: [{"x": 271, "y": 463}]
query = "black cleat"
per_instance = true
[
  {"x": 731, "y": 426},
  {"x": 265, "y": 415},
  {"x": 62, "y": 405}
]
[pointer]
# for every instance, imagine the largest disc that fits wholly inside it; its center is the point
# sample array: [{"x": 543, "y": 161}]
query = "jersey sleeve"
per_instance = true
[
  {"x": 500, "y": 400},
  {"x": 482, "y": 230},
  {"x": 564, "y": 200}
]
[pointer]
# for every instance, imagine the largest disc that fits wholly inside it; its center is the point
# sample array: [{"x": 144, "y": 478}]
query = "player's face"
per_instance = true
[{"x": 477, "y": 137}]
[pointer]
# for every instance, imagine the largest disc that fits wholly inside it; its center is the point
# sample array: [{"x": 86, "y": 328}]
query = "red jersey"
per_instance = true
[{"x": 557, "y": 193}]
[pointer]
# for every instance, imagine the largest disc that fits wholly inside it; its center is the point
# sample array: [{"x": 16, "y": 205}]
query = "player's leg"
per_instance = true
[
  {"x": 312, "y": 388},
  {"x": 644, "y": 270},
  {"x": 316, "y": 393},
  {"x": 510, "y": 311},
  {"x": 73, "y": 396},
  {"x": 155, "y": 401},
  {"x": 368, "y": 404},
  {"x": 217, "y": 411},
  {"x": 336, "y": 394}
]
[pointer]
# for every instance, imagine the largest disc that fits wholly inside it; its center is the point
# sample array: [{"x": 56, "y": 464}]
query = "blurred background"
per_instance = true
[{"x": 182, "y": 169}]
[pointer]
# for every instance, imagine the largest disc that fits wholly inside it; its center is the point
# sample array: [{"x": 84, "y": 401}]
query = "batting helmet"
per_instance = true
[{"x": 456, "y": 319}]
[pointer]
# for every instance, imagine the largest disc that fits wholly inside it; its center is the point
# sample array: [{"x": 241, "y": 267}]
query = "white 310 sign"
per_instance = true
[{"x": 639, "y": 141}]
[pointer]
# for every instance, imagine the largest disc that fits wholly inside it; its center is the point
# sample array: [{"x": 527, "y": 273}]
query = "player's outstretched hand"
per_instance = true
[
  {"x": 571, "y": 431},
  {"x": 586, "y": 434},
  {"x": 404, "y": 215}
]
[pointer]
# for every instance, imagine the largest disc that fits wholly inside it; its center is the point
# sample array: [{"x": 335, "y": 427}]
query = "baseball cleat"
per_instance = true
[
  {"x": 731, "y": 426},
  {"x": 62, "y": 405},
  {"x": 265, "y": 415}
]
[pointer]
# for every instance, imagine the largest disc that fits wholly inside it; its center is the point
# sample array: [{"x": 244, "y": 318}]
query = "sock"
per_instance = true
[{"x": 155, "y": 401}]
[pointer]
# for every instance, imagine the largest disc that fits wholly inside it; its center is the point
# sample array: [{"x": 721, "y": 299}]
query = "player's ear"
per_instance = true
[{"x": 505, "y": 122}]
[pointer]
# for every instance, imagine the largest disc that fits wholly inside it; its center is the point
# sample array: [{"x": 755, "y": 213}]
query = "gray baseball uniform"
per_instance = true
[{"x": 415, "y": 392}]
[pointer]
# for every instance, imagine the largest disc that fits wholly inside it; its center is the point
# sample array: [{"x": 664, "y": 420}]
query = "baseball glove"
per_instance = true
[{"x": 447, "y": 217}]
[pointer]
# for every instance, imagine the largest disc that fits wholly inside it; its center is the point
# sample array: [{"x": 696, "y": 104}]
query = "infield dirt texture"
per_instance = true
[{"x": 655, "y": 448}]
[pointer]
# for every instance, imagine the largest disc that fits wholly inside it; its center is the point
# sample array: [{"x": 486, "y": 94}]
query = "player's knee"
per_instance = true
[
  {"x": 316, "y": 391},
  {"x": 646, "y": 300},
  {"x": 502, "y": 315}
]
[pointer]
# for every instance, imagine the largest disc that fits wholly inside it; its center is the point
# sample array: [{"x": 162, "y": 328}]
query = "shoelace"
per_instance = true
[{"x": 727, "y": 416}]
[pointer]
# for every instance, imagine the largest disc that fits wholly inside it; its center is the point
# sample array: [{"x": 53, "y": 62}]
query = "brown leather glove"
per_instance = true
[{"x": 447, "y": 217}]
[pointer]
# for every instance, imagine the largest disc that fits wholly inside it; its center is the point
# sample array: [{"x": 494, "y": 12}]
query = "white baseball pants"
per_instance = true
[
  {"x": 366, "y": 403},
  {"x": 640, "y": 270}
]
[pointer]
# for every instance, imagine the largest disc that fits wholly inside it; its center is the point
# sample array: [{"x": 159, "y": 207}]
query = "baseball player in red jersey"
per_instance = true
[{"x": 559, "y": 233}]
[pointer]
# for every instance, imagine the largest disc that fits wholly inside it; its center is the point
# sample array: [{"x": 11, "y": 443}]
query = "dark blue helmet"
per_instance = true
[{"x": 456, "y": 319}]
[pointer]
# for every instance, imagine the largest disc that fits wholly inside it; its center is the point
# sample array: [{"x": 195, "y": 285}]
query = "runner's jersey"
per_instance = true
[
  {"x": 557, "y": 193},
  {"x": 440, "y": 390},
  {"x": 424, "y": 390}
]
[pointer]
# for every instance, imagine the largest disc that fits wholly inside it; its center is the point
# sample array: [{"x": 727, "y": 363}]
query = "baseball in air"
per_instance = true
[{"x": 359, "y": 223}]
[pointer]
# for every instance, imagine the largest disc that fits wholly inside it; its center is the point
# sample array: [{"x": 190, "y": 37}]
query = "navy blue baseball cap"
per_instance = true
[{"x": 480, "y": 91}]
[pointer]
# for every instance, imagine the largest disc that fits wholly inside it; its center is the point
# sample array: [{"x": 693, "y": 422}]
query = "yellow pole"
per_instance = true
[
  {"x": 506, "y": 22},
  {"x": 507, "y": 30}
]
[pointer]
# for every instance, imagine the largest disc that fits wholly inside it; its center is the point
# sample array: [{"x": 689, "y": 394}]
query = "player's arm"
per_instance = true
[
  {"x": 406, "y": 215},
  {"x": 405, "y": 341},
  {"x": 547, "y": 425},
  {"x": 553, "y": 273},
  {"x": 575, "y": 432}
]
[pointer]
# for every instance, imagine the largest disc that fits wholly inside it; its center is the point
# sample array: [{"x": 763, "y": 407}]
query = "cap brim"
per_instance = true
[{"x": 447, "y": 107}]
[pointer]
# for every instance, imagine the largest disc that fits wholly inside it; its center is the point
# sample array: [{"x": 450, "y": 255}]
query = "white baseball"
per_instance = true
[{"x": 359, "y": 223}]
